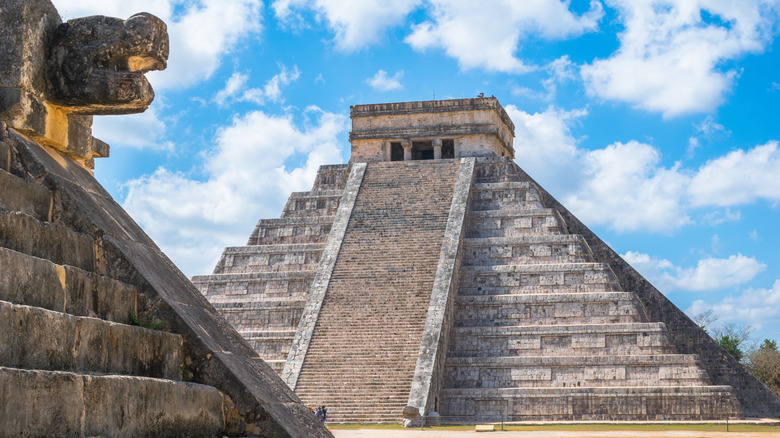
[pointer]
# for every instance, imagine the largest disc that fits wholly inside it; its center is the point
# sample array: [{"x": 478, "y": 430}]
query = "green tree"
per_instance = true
[
  {"x": 768, "y": 345},
  {"x": 731, "y": 344}
]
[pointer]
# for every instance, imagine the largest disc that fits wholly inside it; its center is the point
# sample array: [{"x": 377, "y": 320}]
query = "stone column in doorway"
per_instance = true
[
  {"x": 407, "y": 144},
  {"x": 436, "y": 142}
]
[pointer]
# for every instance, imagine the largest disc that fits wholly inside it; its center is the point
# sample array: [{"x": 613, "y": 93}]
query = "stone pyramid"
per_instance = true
[{"x": 432, "y": 275}]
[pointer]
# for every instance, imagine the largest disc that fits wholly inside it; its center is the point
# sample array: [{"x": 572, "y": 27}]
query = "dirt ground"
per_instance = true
[{"x": 375, "y": 433}]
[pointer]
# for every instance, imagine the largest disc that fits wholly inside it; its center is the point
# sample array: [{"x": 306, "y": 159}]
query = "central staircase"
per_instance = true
[{"x": 363, "y": 352}]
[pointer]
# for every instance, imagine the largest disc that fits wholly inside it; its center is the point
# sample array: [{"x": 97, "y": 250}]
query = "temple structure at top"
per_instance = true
[{"x": 431, "y": 130}]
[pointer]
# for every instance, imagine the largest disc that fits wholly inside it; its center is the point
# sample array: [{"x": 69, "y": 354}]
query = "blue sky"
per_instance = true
[{"x": 654, "y": 121}]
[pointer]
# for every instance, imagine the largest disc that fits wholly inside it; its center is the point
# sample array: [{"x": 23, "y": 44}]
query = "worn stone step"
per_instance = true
[
  {"x": 331, "y": 177},
  {"x": 495, "y": 196},
  {"x": 553, "y": 248},
  {"x": 26, "y": 234},
  {"x": 686, "y": 403},
  {"x": 305, "y": 204},
  {"x": 495, "y": 170},
  {"x": 514, "y": 222},
  {"x": 267, "y": 258},
  {"x": 560, "y": 340},
  {"x": 548, "y": 309},
  {"x": 36, "y": 338},
  {"x": 29, "y": 198},
  {"x": 271, "y": 284},
  {"x": 574, "y": 371},
  {"x": 559, "y": 277},
  {"x": 291, "y": 230},
  {"x": 33, "y": 281},
  {"x": 58, "y": 403}
]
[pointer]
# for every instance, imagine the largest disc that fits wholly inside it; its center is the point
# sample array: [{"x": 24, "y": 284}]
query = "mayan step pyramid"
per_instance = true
[{"x": 431, "y": 274}]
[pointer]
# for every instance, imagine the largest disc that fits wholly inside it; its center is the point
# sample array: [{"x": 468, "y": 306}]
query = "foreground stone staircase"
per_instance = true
[
  {"x": 363, "y": 351},
  {"x": 101, "y": 334},
  {"x": 71, "y": 362},
  {"x": 261, "y": 288},
  {"x": 542, "y": 332}
]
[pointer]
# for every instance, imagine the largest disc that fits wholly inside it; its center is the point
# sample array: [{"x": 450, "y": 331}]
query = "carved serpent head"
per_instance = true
[{"x": 97, "y": 64}]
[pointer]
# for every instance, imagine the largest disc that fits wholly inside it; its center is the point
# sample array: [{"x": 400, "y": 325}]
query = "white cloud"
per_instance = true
[
  {"x": 708, "y": 274},
  {"x": 757, "y": 307},
  {"x": 560, "y": 71},
  {"x": 739, "y": 177},
  {"x": 236, "y": 87},
  {"x": 626, "y": 188},
  {"x": 670, "y": 57},
  {"x": 142, "y": 131},
  {"x": 556, "y": 165},
  {"x": 201, "y": 31},
  {"x": 489, "y": 37},
  {"x": 382, "y": 82},
  {"x": 273, "y": 88},
  {"x": 255, "y": 163},
  {"x": 357, "y": 23}
]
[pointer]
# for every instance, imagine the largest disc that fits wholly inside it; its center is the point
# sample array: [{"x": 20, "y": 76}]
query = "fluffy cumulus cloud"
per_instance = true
[
  {"x": 201, "y": 31},
  {"x": 490, "y": 37},
  {"x": 356, "y": 23},
  {"x": 382, "y": 82},
  {"x": 245, "y": 177},
  {"x": 626, "y": 187},
  {"x": 757, "y": 307},
  {"x": 672, "y": 52},
  {"x": 546, "y": 149},
  {"x": 709, "y": 274},
  {"x": 739, "y": 177}
]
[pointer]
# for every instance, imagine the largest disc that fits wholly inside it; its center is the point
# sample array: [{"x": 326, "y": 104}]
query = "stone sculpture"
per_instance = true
[{"x": 97, "y": 63}]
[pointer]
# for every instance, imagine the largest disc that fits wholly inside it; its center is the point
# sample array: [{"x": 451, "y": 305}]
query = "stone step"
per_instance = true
[
  {"x": 35, "y": 338},
  {"x": 58, "y": 403},
  {"x": 276, "y": 364},
  {"x": 560, "y": 340},
  {"x": 687, "y": 403},
  {"x": 23, "y": 233},
  {"x": 495, "y": 171},
  {"x": 574, "y": 371},
  {"x": 26, "y": 197},
  {"x": 495, "y": 196},
  {"x": 559, "y": 277},
  {"x": 548, "y": 309},
  {"x": 306, "y": 204},
  {"x": 269, "y": 258},
  {"x": 514, "y": 222},
  {"x": 331, "y": 177},
  {"x": 291, "y": 230},
  {"x": 553, "y": 248},
  {"x": 271, "y": 284},
  {"x": 33, "y": 281},
  {"x": 248, "y": 320}
]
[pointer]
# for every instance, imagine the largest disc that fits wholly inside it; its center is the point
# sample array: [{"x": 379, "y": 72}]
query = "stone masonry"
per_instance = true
[
  {"x": 101, "y": 334},
  {"x": 415, "y": 280}
]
